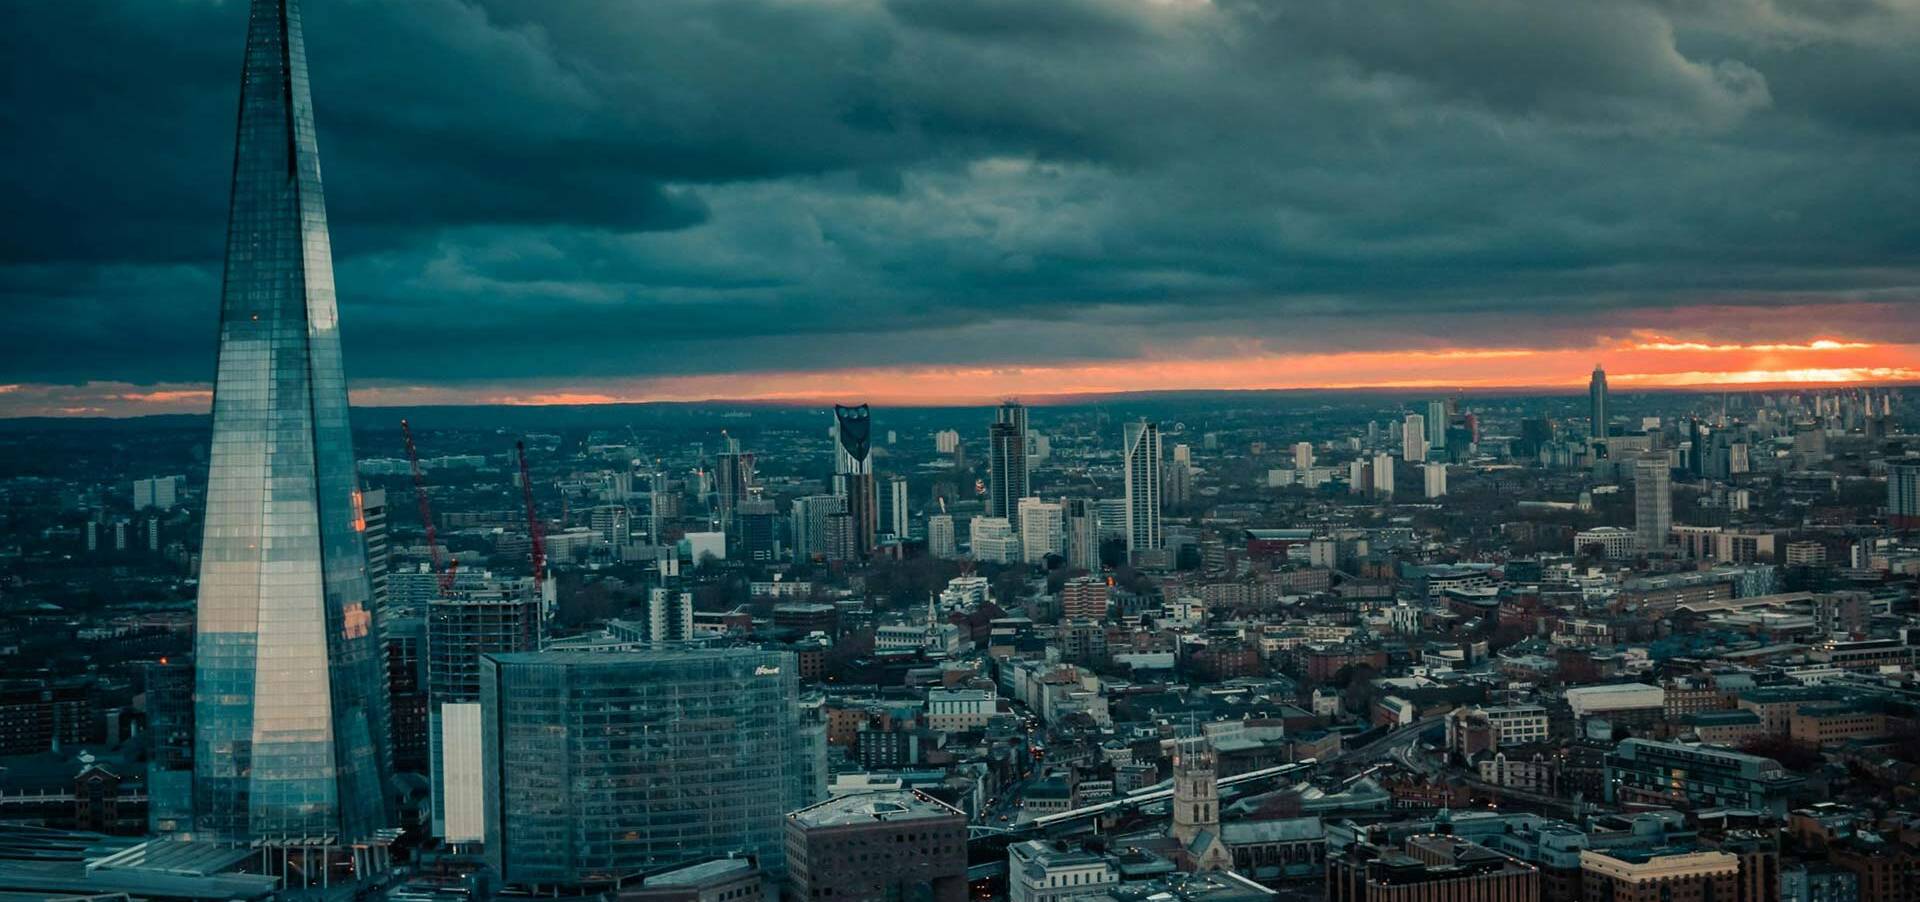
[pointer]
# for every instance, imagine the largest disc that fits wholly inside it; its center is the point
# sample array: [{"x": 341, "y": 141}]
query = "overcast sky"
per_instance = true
[{"x": 534, "y": 199}]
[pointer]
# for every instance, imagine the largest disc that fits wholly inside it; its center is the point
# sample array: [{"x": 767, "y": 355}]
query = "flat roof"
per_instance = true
[{"x": 874, "y": 807}]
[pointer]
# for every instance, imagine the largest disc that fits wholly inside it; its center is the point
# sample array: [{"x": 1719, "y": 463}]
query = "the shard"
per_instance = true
[{"x": 290, "y": 716}]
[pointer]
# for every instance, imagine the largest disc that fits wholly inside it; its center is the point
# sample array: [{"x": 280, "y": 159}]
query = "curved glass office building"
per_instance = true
[{"x": 600, "y": 765}]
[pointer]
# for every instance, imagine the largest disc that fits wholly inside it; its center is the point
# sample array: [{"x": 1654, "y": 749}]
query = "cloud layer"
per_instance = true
[{"x": 537, "y": 193}]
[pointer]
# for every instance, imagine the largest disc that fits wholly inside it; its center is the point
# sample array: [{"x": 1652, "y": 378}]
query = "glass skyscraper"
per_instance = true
[
  {"x": 600, "y": 765},
  {"x": 290, "y": 711}
]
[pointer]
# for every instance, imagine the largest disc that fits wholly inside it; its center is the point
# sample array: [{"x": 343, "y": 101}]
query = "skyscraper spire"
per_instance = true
[{"x": 290, "y": 713}]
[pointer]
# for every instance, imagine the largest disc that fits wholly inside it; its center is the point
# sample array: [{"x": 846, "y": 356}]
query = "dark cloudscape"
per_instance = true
[{"x": 523, "y": 188}]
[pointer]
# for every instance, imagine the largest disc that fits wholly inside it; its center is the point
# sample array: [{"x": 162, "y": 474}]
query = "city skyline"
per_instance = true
[{"x": 988, "y": 203}]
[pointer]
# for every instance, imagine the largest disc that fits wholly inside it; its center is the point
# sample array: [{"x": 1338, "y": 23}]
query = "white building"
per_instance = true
[
  {"x": 1517, "y": 724},
  {"x": 946, "y": 441},
  {"x": 940, "y": 538},
  {"x": 1617, "y": 544},
  {"x": 1039, "y": 871},
  {"x": 993, "y": 539},
  {"x": 1141, "y": 450},
  {"x": 1383, "y": 474},
  {"x": 952, "y": 710},
  {"x": 1302, "y": 456},
  {"x": 162, "y": 492},
  {"x": 1413, "y": 438},
  {"x": 1436, "y": 479},
  {"x": 1042, "y": 529}
]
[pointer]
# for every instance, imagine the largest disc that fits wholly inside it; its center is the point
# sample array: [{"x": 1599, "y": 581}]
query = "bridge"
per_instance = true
[{"x": 1141, "y": 797}]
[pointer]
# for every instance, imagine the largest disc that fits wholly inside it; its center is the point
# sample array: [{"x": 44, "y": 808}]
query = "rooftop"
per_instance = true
[{"x": 873, "y": 807}]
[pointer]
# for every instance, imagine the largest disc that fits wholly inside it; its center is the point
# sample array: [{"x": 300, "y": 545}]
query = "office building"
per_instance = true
[
  {"x": 946, "y": 441},
  {"x": 1082, "y": 535},
  {"x": 1140, "y": 450},
  {"x": 1436, "y": 479},
  {"x": 1437, "y": 418},
  {"x": 1646, "y": 772},
  {"x": 756, "y": 532},
  {"x": 1007, "y": 474},
  {"x": 1652, "y": 503},
  {"x": 1432, "y": 868},
  {"x": 853, "y": 475},
  {"x": 1302, "y": 456},
  {"x": 878, "y": 845},
  {"x": 992, "y": 539},
  {"x": 734, "y": 481},
  {"x": 1660, "y": 875},
  {"x": 941, "y": 542},
  {"x": 602, "y": 765},
  {"x": 291, "y": 700},
  {"x": 405, "y": 638},
  {"x": 1042, "y": 530},
  {"x": 461, "y": 629},
  {"x": 1045, "y": 871},
  {"x": 1597, "y": 412},
  {"x": 814, "y": 527},
  {"x": 169, "y": 693}
]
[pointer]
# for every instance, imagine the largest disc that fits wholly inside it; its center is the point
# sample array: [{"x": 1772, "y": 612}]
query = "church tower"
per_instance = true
[{"x": 1196, "y": 807}]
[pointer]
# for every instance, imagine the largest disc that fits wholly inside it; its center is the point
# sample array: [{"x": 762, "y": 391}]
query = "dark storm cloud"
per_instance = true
[{"x": 522, "y": 188}]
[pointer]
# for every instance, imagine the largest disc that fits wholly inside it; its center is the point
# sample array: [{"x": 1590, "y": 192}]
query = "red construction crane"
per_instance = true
[
  {"x": 426, "y": 513},
  {"x": 534, "y": 537}
]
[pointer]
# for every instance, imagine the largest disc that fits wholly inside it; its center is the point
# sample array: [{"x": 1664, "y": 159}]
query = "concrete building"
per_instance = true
[
  {"x": 1433, "y": 868},
  {"x": 1631, "y": 875},
  {"x": 1052, "y": 871},
  {"x": 956, "y": 710},
  {"x": 1140, "y": 451},
  {"x": 1042, "y": 530},
  {"x": 1652, "y": 502},
  {"x": 1646, "y": 772},
  {"x": 941, "y": 542},
  {"x": 878, "y": 845}
]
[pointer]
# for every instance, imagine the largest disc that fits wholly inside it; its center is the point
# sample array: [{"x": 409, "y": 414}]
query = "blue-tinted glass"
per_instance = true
[{"x": 290, "y": 710}]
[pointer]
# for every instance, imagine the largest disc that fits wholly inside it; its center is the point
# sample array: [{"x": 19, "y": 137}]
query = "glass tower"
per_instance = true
[{"x": 290, "y": 708}]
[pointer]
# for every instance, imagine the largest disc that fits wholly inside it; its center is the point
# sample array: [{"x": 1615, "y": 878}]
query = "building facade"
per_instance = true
[
  {"x": 604, "y": 765},
  {"x": 291, "y": 723}
]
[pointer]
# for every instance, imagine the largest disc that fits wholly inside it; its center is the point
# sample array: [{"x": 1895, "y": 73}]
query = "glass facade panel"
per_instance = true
[
  {"x": 601, "y": 765},
  {"x": 290, "y": 717}
]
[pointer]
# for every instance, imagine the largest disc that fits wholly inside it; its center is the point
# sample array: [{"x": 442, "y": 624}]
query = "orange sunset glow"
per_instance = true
[{"x": 1642, "y": 362}]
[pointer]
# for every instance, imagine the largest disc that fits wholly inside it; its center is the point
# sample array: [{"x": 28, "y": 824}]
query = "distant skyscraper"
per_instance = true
[
  {"x": 1007, "y": 476},
  {"x": 1302, "y": 457},
  {"x": 161, "y": 491},
  {"x": 946, "y": 441},
  {"x": 1383, "y": 475},
  {"x": 1413, "y": 438},
  {"x": 733, "y": 482},
  {"x": 810, "y": 527},
  {"x": 941, "y": 542},
  {"x": 1903, "y": 494},
  {"x": 853, "y": 474},
  {"x": 1082, "y": 535},
  {"x": 1652, "y": 502},
  {"x": 1437, "y": 417},
  {"x": 894, "y": 507},
  {"x": 604, "y": 764},
  {"x": 291, "y": 701},
  {"x": 1140, "y": 450},
  {"x": 1597, "y": 404},
  {"x": 1435, "y": 475}
]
